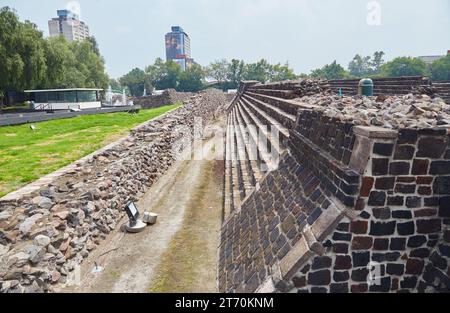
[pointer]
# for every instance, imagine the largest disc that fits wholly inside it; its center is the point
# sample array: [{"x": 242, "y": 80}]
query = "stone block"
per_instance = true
[
  {"x": 399, "y": 168},
  {"x": 380, "y": 167},
  {"x": 362, "y": 242},
  {"x": 384, "y": 149},
  {"x": 382, "y": 229},
  {"x": 420, "y": 167},
  {"x": 428, "y": 226},
  {"x": 431, "y": 147},
  {"x": 404, "y": 152}
]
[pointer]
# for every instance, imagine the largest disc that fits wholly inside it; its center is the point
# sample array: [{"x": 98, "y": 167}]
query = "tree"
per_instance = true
[
  {"x": 377, "y": 61},
  {"x": 28, "y": 61},
  {"x": 90, "y": 64},
  {"x": 115, "y": 85},
  {"x": 62, "y": 71},
  {"x": 94, "y": 45},
  {"x": 257, "y": 71},
  {"x": 235, "y": 72},
  {"x": 360, "y": 66},
  {"x": 280, "y": 72},
  {"x": 404, "y": 66},
  {"x": 218, "y": 70},
  {"x": 330, "y": 71},
  {"x": 22, "y": 57},
  {"x": 163, "y": 75},
  {"x": 191, "y": 80},
  {"x": 135, "y": 81},
  {"x": 440, "y": 69}
]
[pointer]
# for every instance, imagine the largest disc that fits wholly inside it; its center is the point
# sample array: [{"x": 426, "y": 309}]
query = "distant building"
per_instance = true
[
  {"x": 429, "y": 59},
  {"x": 178, "y": 47},
  {"x": 68, "y": 24}
]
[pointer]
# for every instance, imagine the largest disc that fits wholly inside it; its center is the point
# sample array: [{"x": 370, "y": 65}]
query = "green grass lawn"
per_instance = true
[{"x": 26, "y": 155}]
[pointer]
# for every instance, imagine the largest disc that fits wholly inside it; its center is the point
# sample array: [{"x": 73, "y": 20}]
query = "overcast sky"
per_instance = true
[{"x": 307, "y": 33}]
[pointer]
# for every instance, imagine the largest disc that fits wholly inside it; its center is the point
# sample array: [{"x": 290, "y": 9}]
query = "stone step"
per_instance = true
[
  {"x": 234, "y": 166},
  {"x": 251, "y": 147},
  {"x": 285, "y": 94},
  {"x": 267, "y": 159},
  {"x": 286, "y": 106},
  {"x": 266, "y": 119},
  {"x": 246, "y": 173},
  {"x": 228, "y": 188},
  {"x": 283, "y": 85},
  {"x": 251, "y": 119}
]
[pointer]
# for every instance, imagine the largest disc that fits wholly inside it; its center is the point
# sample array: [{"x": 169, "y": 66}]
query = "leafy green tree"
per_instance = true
[
  {"x": 115, "y": 85},
  {"x": 135, "y": 81},
  {"x": 28, "y": 61},
  {"x": 377, "y": 61},
  {"x": 235, "y": 72},
  {"x": 440, "y": 69},
  {"x": 257, "y": 71},
  {"x": 280, "y": 72},
  {"x": 94, "y": 44},
  {"x": 163, "y": 75},
  {"x": 191, "y": 80},
  {"x": 218, "y": 70},
  {"x": 330, "y": 71},
  {"x": 90, "y": 64},
  {"x": 62, "y": 71},
  {"x": 360, "y": 66},
  {"x": 404, "y": 66},
  {"x": 22, "y": 57}
]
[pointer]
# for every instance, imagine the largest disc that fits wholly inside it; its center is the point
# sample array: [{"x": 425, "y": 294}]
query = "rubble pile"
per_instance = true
[
  {"x": 309, "y": 87},
  {"x": 393, "y": 112},
  {"x": 46, "y": 234}
]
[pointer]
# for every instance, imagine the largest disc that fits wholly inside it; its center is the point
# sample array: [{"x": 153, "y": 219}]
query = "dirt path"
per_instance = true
[{"x": 180, "y": 198}]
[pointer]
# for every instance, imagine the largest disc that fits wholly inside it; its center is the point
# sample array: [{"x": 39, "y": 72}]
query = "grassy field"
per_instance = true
[{"x": 26, "y": 155}]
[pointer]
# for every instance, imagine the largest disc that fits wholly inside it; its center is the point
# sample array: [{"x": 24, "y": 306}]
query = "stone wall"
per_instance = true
[
  {"x": 46, "y": 233},
  {"x": 442, "y": 89},
  {"x": 169, "y": 96},
  {"x": 401, "y": 217},
  {"x": 385, "y": 86},
  {"x": 346, "y": 202}
]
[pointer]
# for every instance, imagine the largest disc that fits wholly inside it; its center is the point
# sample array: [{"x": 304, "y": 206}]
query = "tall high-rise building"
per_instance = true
[
  {"x": 178, "y": 47},
  {"x": 68, "y": 24}
]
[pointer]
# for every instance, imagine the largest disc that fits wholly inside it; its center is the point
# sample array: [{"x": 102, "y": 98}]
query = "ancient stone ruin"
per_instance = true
[
  {"x": 169, "y": 96},
  {"x": 358, "y": 199},
  {"x": 322, "y": 192}
]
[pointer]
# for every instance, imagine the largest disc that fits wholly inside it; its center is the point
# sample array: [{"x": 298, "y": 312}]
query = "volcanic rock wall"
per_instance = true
[
  {"x": 45, "y": 234},
  {"x": 384, "y": 86},
  {"x": 346, "y": 203},
  {"x": 169, "y": 96},
  {"x": 396, "y": 86}
]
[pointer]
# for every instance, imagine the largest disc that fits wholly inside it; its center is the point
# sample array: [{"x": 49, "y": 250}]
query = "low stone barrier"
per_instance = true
[
  {"x": 169, "y": 96},
  {"x": 385, "y": 86},
  {"x": 46, "y": 233}
]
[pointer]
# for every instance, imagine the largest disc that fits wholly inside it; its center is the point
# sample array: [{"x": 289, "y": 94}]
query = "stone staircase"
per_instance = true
[
  {"x": 382, "y": 86},
  {"x": 257, "y": 134},
  {"x": 442, "y": 89}
]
